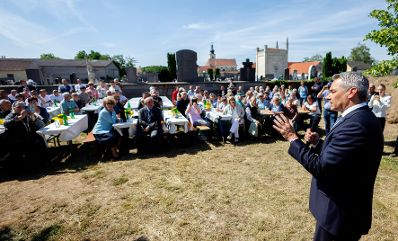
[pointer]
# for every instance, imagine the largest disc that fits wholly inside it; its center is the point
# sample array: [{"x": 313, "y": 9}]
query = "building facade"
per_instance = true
[
  {"x": 304, "y": 70},
  {"x": 271, "y": 62},
  {"x": 227, "y": 67},
  {"x": 48, "y": 71}
]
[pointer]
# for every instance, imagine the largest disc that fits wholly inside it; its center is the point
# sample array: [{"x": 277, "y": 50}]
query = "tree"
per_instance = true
[
  {"x": 122, "y": 63},
  {"x": 327, "y": 65},
  {"x": 81, "y": 55},
  {"x": 361, "y": 53},
  {"x": 316, "y": 57},
  {"x": 210, "y": 73},
  {"x": 153, "y": 68},
  {"x": 343, "y": 64},
  {"x": 385, "y": 36},
  {"x": 338, "y": 65},
  {"x": 164, "y": 75},
  {"x": 217, "y": 74},
  {"x": 172, "y": 65},
  {"x": 47, "y": 56}
]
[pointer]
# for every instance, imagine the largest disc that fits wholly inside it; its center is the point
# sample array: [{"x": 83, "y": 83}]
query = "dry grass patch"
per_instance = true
[{"x": 252, "y": 191}]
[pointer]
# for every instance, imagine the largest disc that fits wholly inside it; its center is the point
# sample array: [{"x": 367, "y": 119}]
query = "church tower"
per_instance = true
[{"x": 212, "y": 54}]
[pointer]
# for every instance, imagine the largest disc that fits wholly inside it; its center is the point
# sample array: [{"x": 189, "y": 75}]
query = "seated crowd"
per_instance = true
[{"x": 251, "y": 112}]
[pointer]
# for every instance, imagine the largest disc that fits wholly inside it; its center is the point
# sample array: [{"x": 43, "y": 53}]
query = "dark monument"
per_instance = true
[
  {"x": 131, "y": 73},
  {"x": 186, "y": 66},
  {"x": 247, "y": 73},
  {"x": 286, "y": 76}
]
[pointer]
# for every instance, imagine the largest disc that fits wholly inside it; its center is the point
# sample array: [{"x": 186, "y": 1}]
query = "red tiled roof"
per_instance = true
[
  {"x": 301, "y": 67},
  {"x": 203, "y": 69},
  {"x": 221, "y": 62}
]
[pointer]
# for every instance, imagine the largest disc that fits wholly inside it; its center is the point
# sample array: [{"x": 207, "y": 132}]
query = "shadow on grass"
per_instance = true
[
  {"x": 47, "y": 233},
  {"x": 6, "y": 234},
  {"x": 79, "y": 157}
]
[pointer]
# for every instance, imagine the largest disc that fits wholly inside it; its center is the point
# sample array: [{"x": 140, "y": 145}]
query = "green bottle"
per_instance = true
[
  {"x": 65, "y": 119},
  {"x": 71, "y": 113}
]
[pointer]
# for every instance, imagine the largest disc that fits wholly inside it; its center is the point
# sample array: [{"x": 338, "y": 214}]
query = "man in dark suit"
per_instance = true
[
  {"x": 344, "y": 166},
  {"x": 150, "y": 123}
]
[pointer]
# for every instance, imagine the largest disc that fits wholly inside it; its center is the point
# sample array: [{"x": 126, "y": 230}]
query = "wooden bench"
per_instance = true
[
  {"x": 89, "y": 138},
  {"x": 201, "y": 130}
]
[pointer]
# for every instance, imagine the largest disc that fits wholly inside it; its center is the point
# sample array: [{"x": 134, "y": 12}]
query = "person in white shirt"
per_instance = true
[
  {"x": 78, "y": 85},
  {"x": 114, "y": 87},
  {"x": 12, "y": 95},
  {"x": 238, "y": 115},
  {"x": 380, "y": 102},
  {"x": 44, "y": 99},
  {"x": 102, "y": 88},
  {"x": 315, "y": 113},
  {"x": 55, "y": 96}
]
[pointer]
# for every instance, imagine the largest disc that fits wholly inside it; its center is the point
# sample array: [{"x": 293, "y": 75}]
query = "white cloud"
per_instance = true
[
  {"x": 21, "y": 31},
  {"x": 196, "y": 26}
]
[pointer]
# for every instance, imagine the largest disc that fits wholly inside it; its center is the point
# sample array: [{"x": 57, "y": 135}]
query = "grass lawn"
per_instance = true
[{"x": 210, "y": 191}]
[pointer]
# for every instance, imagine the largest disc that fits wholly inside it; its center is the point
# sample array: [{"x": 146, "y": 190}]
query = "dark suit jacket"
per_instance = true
[
  {"x": 344, "y": 169},
  {"x": 153, "y": 120}
]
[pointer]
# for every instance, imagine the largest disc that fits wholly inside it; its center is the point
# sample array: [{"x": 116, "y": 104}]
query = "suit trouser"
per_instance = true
[{"x": 323, "y": 235}]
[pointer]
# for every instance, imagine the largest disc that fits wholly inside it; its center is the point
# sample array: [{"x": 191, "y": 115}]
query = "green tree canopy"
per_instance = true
[
  {"x": 210, "y": 73},
  {"x": 123, "y": 63},
  {"x": 164, "y": 75},
  {"x": 327, "y": 70},
  {"x": 172, "y": 65},
  {"x": 92, "y": 55},
  {"x": 386, "y": 36},
  {"x": 153, "y": 68},
  {"x": 316, "y": 57},
  {"x": 217, "y": 73},
  {"x": 361, "y": 53},
  {"x": 46, "y": 56}
]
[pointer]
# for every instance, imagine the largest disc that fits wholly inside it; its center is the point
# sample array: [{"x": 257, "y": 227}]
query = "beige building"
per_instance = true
[
  {"x": 47, "y": 71},
  {"x": 271, "y": 62},
  {"x": 357, "y": 66}
]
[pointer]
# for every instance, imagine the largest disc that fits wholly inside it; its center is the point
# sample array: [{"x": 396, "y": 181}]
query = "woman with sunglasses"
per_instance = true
[{"x": 103, "y": 130}]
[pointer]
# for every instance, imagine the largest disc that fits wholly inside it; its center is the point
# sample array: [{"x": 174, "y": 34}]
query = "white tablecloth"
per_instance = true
[
  {"x": 134, "y": 102},
  {"x": 130, "y": 123},
  {"x": 66, "y": 133},
  {"x": 167, "y": 104},
  {"x": 172, "y": 122},
  {"x": 214, "y": 115},
  {"x": 93, "y": 106},
  {"x": 53, "y": 110}
]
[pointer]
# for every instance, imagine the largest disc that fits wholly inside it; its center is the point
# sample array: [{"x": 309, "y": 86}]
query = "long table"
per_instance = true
[
  {"x": 172, "y": 121},
  {"x": 214, "y": 115},
  {"x": 53, "y": 110},
  {"x": 131, "y": 124},
  {"x": 134, "y": 102},
  {"x": 66, "y": 133}
]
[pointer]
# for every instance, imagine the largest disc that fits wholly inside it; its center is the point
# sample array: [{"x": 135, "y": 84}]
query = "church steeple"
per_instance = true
[{"x": 212, "y": 54}]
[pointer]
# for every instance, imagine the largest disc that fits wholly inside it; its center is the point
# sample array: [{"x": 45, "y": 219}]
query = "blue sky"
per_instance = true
[{"x": 148, "y": 30}]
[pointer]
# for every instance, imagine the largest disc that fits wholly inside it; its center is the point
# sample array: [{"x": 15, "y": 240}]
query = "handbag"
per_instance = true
[{"x": 253, "y": 130}]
